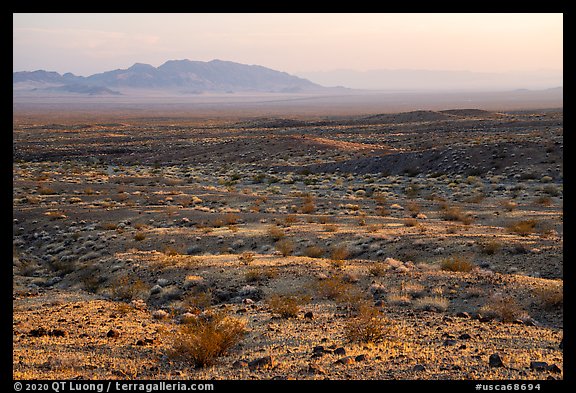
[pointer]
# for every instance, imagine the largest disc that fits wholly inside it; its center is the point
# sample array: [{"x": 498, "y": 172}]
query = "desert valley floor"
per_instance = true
[{"x": 414, "y": 245}]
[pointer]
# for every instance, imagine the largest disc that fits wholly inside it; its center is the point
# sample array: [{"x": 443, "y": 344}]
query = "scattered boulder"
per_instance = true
[
  {"x": 463, "y": 314},
  {"x": 419, "y": 367},
  {"x": 309, "y": 315},
  {"x": 113, "y": 333},
  {"x": 340, "y": 351},
  {"x": 495, "y": 360},
  {"x": 539, "y": 366},
  {"x": 361, "y": 358}
]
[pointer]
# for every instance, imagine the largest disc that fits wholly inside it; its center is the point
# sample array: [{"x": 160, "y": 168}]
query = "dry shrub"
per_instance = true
[
  {"x": 397, "y": 298},
  {"x": 203, "y": 340},
  {"x": 543, "y": 201},
  {"x": 432, "y": 303},
  {"x": 413, "y": 207},
  {"x": 276, "y": 233},
  {"x": 314, "y": 251},
  {"x": 503, "y": 307},
  {"x": 523, "y": 227},
  {"x": 339, "y": 253},
  {"x": 171, "y": 251},
  {"x": 230, "y": 219},
  {"x": 457, "y": 264},
  {"x": 198, "y": 299},
  {"x": 332, "y": 288},
  {"x": 290, "y": 219},
  {"x": 139, "y": 236},
  {"x": 491, "y": 247},
  {"x": 508, "y": 205},
  {"x": 455, "y": 213},
  {"x": 378, "y": 269},
  {"x": 284, "y": 305},
  {"x": 259, "y": 273},
  {"x": 128, "y": 288},
  {"x": 45, "y": 190},
  {"x": 325, "y": 219},
  {"x": 369, "y": 326},
  {"x": 109, "y": 226},
  {"x": 247, "y": 257},
  {"x": 308, "y": 205},
  {"x": 550, "y": 296},
  {"x": 285, "y": 247},
  {"x": 410, "y": 222}
]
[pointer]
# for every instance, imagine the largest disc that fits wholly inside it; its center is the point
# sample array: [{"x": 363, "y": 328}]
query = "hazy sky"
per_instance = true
[{"x": 89, "y": 43}]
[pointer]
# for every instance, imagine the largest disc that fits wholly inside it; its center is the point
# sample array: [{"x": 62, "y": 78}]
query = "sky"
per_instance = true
[{"x": 296, "y": 43}]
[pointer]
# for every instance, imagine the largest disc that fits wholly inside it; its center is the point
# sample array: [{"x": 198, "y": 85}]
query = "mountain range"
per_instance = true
[{"x": 182, "y": 76}]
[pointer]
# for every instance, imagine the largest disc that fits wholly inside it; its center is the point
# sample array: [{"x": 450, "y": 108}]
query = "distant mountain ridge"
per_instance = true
[{"x": 178, "y": 75}]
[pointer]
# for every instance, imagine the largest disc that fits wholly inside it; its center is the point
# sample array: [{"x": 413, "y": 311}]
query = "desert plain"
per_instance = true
[{"x": 420, "y": 244}]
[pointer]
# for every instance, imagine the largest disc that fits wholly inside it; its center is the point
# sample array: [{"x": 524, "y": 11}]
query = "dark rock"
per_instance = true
[
  {"x": 265, "y": 362},
  {"x": 463, "y": 314},
  {"x": 554, "y": 368},
  {"x": 112, "y": 333},
  {"x": 39, "y": 332},
  {"x": 58, "y": 333},
  {"x": 449, "y": 342},
  {"x": 465, "y": 336},
  {"x": 240, "y": 364},
  {"x": 309, "y": 315},
  {"x": 419, "y": 367},
  {"x": 379, "y": 303},
  {"x": 345, "y": 360},
  {"x": 140, "y": 343},
  {"x": 495, "y": 360},
  {"x": 193, "y": 250},
  {"x": 360, "y": 358},
  {"x": 539, "y": 366},
  {"x": 340, "y": 351},
  {"x": 456, "y": 368}
]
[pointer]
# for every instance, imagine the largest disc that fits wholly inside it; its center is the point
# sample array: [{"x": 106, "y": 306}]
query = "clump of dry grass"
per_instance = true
[
  {"x": 285, "y": 306},
  {"x": 260, "y": 273},
  {"x": 455, "y": 213},
  {"x": 339, "y": 253},
  {"x": 139, "y": 236},
  {"x": 508, "y": 205},
  {"x": 549, "y": 296},
  {"x": 45, "y": 190},
  {"x": 128, "y": 288},
  {"x": 285, "y": 247},
  {"x": 503, "y": 307},
  {"x": 276, "y": 233},
  {"x": 314, "y": 251},
  {"x": 523, "y": 227},
  {"x": 290, "y": 219},
  {"x": 203, "y": 340},
  {"x": 431, "y": 303},
  {"x": 308, "y": 205},
  {"x": 247, "y": 257},
  {"x": 332, "y": 288},
  {"x": 369, "y": 326},
  {"x": 410, "y": 222},
  {"x": 378, "y": 269},
  {"x": 490, "y": 247},
  {"x": 457, "y": 264},
  {"x": 543, "y": 201}
]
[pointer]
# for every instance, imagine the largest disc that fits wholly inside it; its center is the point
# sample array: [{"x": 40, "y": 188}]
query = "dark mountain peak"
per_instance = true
[{"x": 181, "y": 76}]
